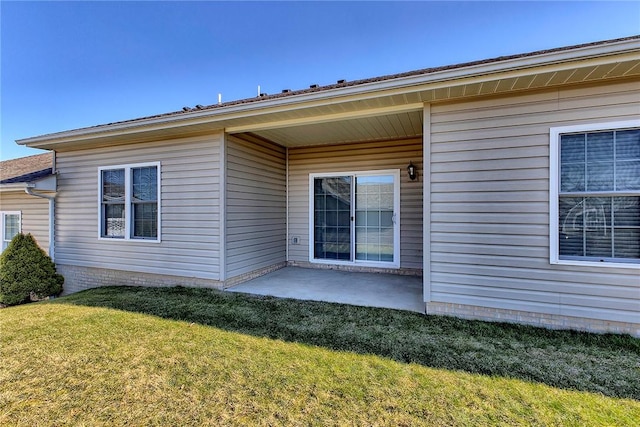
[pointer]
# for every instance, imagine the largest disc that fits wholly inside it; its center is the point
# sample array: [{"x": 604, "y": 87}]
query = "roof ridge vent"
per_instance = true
[{"x": 286, "y": 90}]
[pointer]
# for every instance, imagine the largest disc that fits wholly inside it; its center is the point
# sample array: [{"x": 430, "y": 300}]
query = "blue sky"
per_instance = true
[{"x": 67, "y": 65}]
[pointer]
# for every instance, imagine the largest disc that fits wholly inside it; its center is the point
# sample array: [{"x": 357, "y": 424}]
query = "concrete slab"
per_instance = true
[{"x": 364, "y": 289}]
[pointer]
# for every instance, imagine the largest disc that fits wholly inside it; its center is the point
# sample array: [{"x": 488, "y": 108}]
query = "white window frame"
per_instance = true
[
  {"x": 3, "y": 215},
  {"x": 554, "y": 190},
  {"x": 128, "y": 204},
  {"x": 396, "y": 209}
]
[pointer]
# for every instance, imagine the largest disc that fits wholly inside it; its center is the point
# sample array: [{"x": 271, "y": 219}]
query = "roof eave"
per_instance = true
[{"x": 524, "y": 64}]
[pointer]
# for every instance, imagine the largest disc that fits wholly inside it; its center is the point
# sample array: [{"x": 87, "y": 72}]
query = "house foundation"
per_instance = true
[
  {"x": 78, "y": 279},
  {"x": 544, "y": 320}
]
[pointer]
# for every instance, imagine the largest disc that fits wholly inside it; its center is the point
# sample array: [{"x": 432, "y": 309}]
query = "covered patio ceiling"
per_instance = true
[{"x": 376, "y": 128}]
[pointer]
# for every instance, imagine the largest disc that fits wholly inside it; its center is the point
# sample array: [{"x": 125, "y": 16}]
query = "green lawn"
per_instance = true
[{"x": 176, "y": 356}]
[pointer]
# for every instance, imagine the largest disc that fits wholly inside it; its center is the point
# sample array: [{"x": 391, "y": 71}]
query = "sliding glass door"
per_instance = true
[{"x": 355, "y": 218}]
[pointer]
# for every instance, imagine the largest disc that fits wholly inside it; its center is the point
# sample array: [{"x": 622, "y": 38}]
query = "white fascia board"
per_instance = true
[
  {"x": 16, "y": 186},
  {"x": 515, "y": 67}
]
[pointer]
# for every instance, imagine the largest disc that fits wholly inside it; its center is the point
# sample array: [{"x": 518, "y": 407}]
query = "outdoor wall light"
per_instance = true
[{"x": 412, "y": 171}]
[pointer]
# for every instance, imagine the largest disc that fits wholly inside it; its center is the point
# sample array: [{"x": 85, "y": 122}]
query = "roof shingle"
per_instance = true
[{"x": 26, "y": 169}]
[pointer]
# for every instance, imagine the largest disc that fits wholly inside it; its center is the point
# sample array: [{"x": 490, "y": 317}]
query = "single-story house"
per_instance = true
[
  {"x": 512, "y": 185},
  {"x": 27, "y": 189}
]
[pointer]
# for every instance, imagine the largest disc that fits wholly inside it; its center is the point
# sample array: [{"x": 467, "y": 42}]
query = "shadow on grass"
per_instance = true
[{"x": 607, "y": 364}]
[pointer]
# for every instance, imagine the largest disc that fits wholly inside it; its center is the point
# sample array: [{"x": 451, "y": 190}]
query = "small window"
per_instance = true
[
  {"x": 11, "y": 226},
  {"x": 129, "y": 202},
  {"x": 595, "y": 193}
]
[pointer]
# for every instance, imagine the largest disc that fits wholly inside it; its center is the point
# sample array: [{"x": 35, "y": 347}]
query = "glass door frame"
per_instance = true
[{"x": 396, "y": 218}]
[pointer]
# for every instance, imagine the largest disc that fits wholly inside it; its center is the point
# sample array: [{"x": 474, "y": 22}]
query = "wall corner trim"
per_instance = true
[{"x": 426, "y": 198}]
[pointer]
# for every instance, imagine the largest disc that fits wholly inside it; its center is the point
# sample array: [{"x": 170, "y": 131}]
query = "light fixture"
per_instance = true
[{"x": 412, "y": 171}]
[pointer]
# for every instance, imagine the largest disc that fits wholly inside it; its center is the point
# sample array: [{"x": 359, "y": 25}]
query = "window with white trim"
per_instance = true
[
  {"x": 595, "y": 193},
  {"x": 11, "y": 226},
  {"x": 130, "y": 202}
]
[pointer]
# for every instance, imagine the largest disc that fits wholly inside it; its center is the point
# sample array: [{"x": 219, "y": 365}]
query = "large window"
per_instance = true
[
  {"x": 11, "y": 225},
  {"x": 595, "y": 194},
  {"x": 130, "y": 202}
]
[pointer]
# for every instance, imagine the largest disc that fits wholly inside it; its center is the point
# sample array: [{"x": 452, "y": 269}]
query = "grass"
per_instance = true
[{"x": 176, "y": 356}]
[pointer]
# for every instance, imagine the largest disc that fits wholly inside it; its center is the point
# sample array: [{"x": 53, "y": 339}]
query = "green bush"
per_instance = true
[{"x": 26, "y": 271}]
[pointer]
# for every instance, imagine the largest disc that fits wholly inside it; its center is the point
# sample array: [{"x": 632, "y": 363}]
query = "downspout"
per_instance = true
[{"x": 52, "y": 205}]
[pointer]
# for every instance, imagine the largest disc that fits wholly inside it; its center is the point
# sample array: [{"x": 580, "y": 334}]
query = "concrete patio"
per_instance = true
[{"x": 364, "y": 289}]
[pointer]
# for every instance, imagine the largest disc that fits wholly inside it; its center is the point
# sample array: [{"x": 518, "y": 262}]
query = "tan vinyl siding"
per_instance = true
[
  {"x": 34, "y": 214},
  {"x": 190, "y": 218},
  {"x": 490, "y": 206},
  {"x": 358, "y": 157},
  {"x": 255, "y": 205}
]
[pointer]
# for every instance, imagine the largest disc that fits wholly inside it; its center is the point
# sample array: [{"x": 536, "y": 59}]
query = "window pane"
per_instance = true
[
  {"x": 386, "y": 253},
  {"x": 145, "y": 184},
  {"x": 572, "y": 177},
  {"x": 373, "y": 218},
  {"x": 113, "y": 185},
  {"x": 600, "y": 161},
  {"x": 600, "y": 147},
  {"x": 572, "y": 148},
  {"x": 628, "y": 160},
  {"x": 628, "y": 145},
  {"x": 571, "y": 226},
  {"x": 600, "y": 176},
  {"x": 628, "y": 175},
  {"x": 626, "y": 232},
  {"x": 331, "y": 218},
  {"x": 113, "y": 220},
  {"x": 627, "y": 243},
  {"x": 145, "y": 220},
  {"x": 597, "y": 224},
  {"x": 572, "y": 162},
  {"x": 11, "y": 226},
  {"x": 626, "y": 211}
]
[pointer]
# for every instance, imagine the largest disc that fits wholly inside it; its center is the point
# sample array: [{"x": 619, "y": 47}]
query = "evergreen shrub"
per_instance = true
[{"x": 27, "y": 272}]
